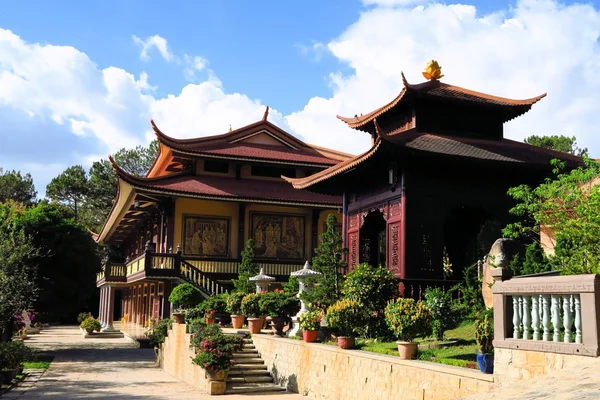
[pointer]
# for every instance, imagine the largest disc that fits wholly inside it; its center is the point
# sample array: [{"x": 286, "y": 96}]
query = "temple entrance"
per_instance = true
[{"x": 373, "y": 239}]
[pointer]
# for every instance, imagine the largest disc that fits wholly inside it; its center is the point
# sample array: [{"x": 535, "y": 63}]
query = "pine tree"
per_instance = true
[{"x": 248, "y": 268}]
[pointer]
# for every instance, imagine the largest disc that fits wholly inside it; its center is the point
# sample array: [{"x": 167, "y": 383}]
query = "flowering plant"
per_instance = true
[
  {"x": 310, "y": 321},
  {"x": 447, "y": 264},
  {"x": 234, "y": 303},
  {"x": 209, "y": 314},
  {"x": 345, "y": 316},
  {"x": 408, "y": 318},
  {"x": 250, "y": 305},
  {"x": 439, "y": 304},
  {"x": 216, "y": 352}
]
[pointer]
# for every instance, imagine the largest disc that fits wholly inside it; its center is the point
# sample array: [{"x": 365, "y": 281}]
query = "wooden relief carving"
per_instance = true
[
  {"x": 353, "y": 247},
  {"x": 205, "y": 235},
  {"x": 353, "y": 221},
  {"x": 278, "y": 235},
  {"x": 394, "y": 246},
  {"x": 394, "y": 209}
]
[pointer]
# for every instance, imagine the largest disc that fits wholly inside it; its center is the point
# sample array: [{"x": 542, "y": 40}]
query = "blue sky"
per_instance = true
[{"x": 76, "y": 85}]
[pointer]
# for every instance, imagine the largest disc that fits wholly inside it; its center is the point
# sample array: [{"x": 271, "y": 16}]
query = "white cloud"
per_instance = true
[
  {"x": 193, "y": 65},
  {"x": 537, "y": 47},
  {"x": 155, "y": 41}
]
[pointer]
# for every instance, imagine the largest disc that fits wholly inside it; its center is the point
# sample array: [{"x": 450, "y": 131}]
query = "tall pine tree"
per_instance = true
[{"x": 248, "y": 268}]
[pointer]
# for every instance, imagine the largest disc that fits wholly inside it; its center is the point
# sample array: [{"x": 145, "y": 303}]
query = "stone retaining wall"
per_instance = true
[
  {"x": 328, "y": 372},
  {"x": 176, "y": 359}
]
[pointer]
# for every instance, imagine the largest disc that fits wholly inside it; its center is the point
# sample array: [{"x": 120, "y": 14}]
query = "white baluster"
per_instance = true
[
  {"x": 535, "y": 317},
  {"x": 556, "y": 317},
  {"x": 521, "y": 315},
  {"x": 546, "y": 316},
  {"x": 567, "y": 321},
  {"x": 577, "y": 301},
  {"x": 516, "y": 319},
  {"x": 526, "y": 318}
]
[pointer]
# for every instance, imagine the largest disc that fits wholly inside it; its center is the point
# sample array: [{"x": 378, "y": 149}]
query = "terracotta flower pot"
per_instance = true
[
  {"x": 179, "y": 318},
  {"x": 255, "y": 325},
  {"x": 237, "y": 321},
  {"x": 310, "y": 336},
  {"x": 219, "y": 375},
  {"x": 278, "y": 323},
  {"x": 345, "y": 342},
  {"x": 407, "y": 350},
  {"x": 210, "y": 320}
]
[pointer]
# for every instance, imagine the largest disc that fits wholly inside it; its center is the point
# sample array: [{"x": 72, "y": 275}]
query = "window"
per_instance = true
[
  {"x": 216, "y": 166},
  {"x": 272, "y": 172}
]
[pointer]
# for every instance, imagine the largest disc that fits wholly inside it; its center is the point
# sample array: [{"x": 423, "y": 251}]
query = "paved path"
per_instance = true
[{"x": 108, "y": 369}]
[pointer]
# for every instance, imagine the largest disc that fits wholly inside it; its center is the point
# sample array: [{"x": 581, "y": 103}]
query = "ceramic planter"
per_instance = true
[
  {"x": 255, "y": 324},
  {"x": 278, "y": 323},
  {"x": 237, "y": 321},
  {"x": 179, "y": 318},
  {"x": 222, "y": 318},
  {"x": 310, "y": 336},
  {"x": 89, "y": 331},
  {"x": 219, "y": 375},
  {"x": 345, "y": 342},
  {"x": 8, "y": 375},
  {"x": 407, "y": 350},
  {"x": 485, "y": 363}
]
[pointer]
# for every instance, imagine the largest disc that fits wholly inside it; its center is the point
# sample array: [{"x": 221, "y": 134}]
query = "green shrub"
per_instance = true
[
  {"x": 278, "y": 304},
  {"x": 13, "y": 354},
  {"x": 310, "y": 321},
  {"x": 346, "y": 316},
  {"x": 82, "y": 317},
  {"x": 408, "y": 319},
  {"x": 91, "y": 323},
  {"x": 215, "y": 303},
  {"x": 195, "y": 313},
  {"x": 195, "y": 325},
  {"x": 185, "y": 296},
  {"x": 440, "y": 305},
  {"x": 484, "y": 331},
  {"x": 159, "y": 332},
  {"x": 251, "y": 305},
  {"x": 234, "y": 303},
  {"x": 216, "y": 351}
]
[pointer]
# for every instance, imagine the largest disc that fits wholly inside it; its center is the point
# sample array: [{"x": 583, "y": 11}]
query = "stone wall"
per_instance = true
[
  {"x": 176, "y": 359},
  {"x": 515, "y": 365},
  {"x": 327, "y": 372}
]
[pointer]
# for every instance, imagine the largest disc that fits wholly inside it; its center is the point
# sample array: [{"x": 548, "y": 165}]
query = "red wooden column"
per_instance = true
[{"x": 394, "y": 239}]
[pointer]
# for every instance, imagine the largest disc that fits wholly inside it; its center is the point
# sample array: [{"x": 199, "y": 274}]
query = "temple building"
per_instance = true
[
  {"x": 432, "y": 189},
  {"x": 190, "y": 217}
]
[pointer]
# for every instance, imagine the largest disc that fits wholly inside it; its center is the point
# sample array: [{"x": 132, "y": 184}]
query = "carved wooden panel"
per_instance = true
[
  {"x": 394, "y": 209},
  {"x": 353, "y": 249},
  {"x": 394, "y": 246},
  {"x": 353, "y": 221}
]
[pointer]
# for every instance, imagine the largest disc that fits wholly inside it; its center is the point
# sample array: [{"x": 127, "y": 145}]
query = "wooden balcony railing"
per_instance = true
[{"x": 113, "y": 272}]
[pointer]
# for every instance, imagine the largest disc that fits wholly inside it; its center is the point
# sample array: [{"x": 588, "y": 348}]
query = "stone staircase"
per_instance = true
[{"x": 249, "y": 374}]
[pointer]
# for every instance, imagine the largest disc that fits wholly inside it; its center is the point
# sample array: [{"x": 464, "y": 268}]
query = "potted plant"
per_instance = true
[
  {"x": 90, "y": 325},
  {"x": 344, "y": 316},
  {"x": 215, "y": 309},
  {"x": 183, "y": 297},
  {"x": 82, "y": 317},
  {"x": 234, "y": 306},
  {"x": 310, "y": 322},
  {"x": 484, "y": 336},
  {"x": 280, "y": 306},
  {"x": 251, "y": 308},
  {"x": 215, "y": 355},
  {"x": 408, "y": 318}
]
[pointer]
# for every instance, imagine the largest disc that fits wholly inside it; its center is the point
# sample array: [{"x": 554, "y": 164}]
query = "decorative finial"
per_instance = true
[
  {"x": 433, "y": 71},
  {"x": 178, "y": 248},
  {"x": 266, "y": 114},
  {"x": 230, "y": 128}
]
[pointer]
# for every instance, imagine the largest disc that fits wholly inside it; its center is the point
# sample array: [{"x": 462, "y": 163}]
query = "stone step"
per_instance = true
[
  {"x": 248, "y": 346},
  {"x": 248, "y": 372},
  {"x": 236, "y": 388},
  {"x": 246, "y": 351},
  {"x": 252, "y": 354},
  {"x": 250, "y": 379},
  {"x": 246, "y": 366},
  {"x": 247, "y": 360},
  {"x": 249, "y": 341}
]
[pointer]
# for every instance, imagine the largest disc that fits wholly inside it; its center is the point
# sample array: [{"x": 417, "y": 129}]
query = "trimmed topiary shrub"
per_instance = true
[{"x": 185, "y": 296}]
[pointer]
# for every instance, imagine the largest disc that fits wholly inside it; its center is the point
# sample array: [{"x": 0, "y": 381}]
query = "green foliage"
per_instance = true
[
  {"x": 327, "y": 288},
  {"x": 568, "y": 205},
  {"x": 195, "y": 325},
  {"x": 185, "y": 296},
  {"x": 159, "y": 332},
  {"x": 535, "y": 261},
  {"x": 484, "y": 331},
  {"x": 13, "y": 354},
  {"x": 203, "y": 332},
  {"x": 278, "y": 304},
  {"x": 310, "y": 321},
  {"x": 215, "y": 303},
  {"x": 372, "y": 288},
  {"x": 91, "y": 323},
  {"x": 251, "y": 305},
  {"x": 439, "y": 304},
  {"x": 408, "y": 319},
  {"x": 16, "y": 187},
  {"x": 346, "y": 316},
  {"x": 234, "y": 303},
  {"x": 471, "y": 298},
  {"x": 69, "y": 188},
  {"x": 292, "y": 286},
  {"x": 247, "y": 269},
  {"x": 216, "y": 352},
  {"x": 195, "y": 313},
  {"x": 82, "y": 317},
  {"x": 560, "y": 143}
]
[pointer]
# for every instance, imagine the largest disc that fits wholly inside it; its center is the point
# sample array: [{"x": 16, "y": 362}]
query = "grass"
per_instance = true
[
  {"x": 41, "y": 362},
  {"x": 459, "y": 350}
]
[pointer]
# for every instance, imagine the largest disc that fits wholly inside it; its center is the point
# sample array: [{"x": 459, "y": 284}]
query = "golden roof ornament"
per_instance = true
[
  {"x": 433, "y": 71},
  {"x": 230, "y": 128}
]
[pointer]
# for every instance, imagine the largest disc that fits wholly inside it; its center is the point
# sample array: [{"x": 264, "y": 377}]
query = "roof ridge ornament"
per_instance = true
[
  {"x": 266, "y": 114},
  {"x": 433, "y": 71},
  {"x": 404, "y": 81}
]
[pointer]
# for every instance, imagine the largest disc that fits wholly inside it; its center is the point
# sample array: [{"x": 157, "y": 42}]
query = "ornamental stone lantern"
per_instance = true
[
  {"x": 302, "y": 274},
  {"x": 262, "y": 281}
]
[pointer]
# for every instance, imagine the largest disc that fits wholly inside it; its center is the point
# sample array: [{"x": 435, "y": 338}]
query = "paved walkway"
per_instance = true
[{"x": 108, "y": 369}]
